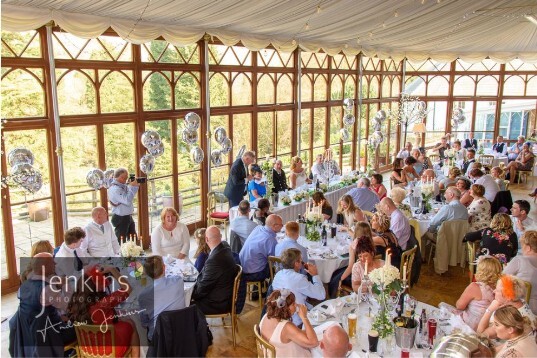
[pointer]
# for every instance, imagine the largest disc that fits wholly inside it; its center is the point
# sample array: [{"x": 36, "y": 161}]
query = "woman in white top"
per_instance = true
[
  {"x": 277, "y": 327},
  {"x": 170, "y": 236},
  {"x": 298, "y": 176},
  {"x": 524, "y": 266}
]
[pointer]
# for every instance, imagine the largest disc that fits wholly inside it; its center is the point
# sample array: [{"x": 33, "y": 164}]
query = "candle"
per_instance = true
[
  {"x": 388, "y": 259},
  {"x": 121, "y": 240},
  {"x": 267, "y": 158},
  {"x": 404, "y": 272},
  {"x": 366, "y": 267}
]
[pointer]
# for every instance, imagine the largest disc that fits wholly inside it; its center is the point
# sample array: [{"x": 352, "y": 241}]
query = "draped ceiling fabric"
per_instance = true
[{"x": 415, "y": 29}]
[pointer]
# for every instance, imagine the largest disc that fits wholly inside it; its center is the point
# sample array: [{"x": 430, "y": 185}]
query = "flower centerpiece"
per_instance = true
[
  {"x": 450, "y": 154},
  {"x": 427, "y": 193},
  {"x": 285, "y": 199},
  {"x": 314, "y": 219},
  {"x": 130, "y": 251},
  {"x": 323, "y": 187},
  {"x": 299, "y": 196},
  {"x": 481, "y": 148},
  {"x": 387, "y": 287},
  {"x": 266, "y": 167}
]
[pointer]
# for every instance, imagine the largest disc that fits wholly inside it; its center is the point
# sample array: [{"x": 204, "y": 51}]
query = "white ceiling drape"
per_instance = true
[{"x": 414, "y": 29}]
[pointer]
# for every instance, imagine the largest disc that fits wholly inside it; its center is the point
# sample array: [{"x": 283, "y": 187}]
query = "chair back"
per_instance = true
[
  {"x": 528, "y": 290},
  {"x": 472, "y": 247},
  {"x": 92, "y": 342},
  {"x": 507, "y": 182},
  {"x": 211, "y": 204},
  {"x": 264, "y": 348},
  {"x": 486, "y": 160},
  {"x": 407, "y": 258},
  {"x": 417, "y": 232},
  {"x": 236, "y": 285},
  {"x": 275, "y": 265},
  {"x": 450, "y": 250}
]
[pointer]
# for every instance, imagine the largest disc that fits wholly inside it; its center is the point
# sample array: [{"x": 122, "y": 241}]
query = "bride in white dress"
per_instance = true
[{"x": 298, "y": 176}]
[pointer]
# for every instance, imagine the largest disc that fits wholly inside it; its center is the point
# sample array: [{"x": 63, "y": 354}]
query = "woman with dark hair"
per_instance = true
[
  {"x": 262, "y": 212},
  {"x": 464, "y": 185},
  {"x": 384, "y": 239},
  {"x": 256, "y": 186},
  {"x": 377, "y": 186},
  {"x": 397, "y": 172},
  {"x": 408, "y": 170},
  {"x": 365, "y": 253},
  {"x": 91, "y": 304},
  {"x": 326, "y": 209},
  {"x": 203, "y": 250},
  {"x": 278, "y": 329},
  {"x": 515, "y": 330}
]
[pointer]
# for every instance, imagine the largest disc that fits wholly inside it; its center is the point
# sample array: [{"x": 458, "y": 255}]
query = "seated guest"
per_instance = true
[
  {"x": 242, "y": 225},
  {"x": 213, "y": 293},
  {"x": 262, "y": 212},
  {"x": 399, "y": 224},
  {"x": 317, "y": 169},
  {"x": 335, "y": 342},
  {"x": 405, "y": 152},
  {"x": 498, "y": 240},
  {"x": 424, "y": 160},
  {"x": 297, "y": 176},
  {"x": 151, "y": 298},
  {"x": 478, "y": 295},
  {"x": 524, "y": 266},
  {"x": 488, "y": 182},
  {"x": 170, "y": 236},
  {"x": 397, "y": 175},
  {"x": 441, "y": 147},
  {"x": 515, "y": 149},
  {"x": 90, "y": 303},
  {"x": 365, "y": 254},
  {"x": 203, "y": 250},
  {"x": 470, "y": 142},
  {"x": 279, "y": 180},
  {"x": 524, "y": 161},
  {"x": 509, "y": 291},
  {"x": 290, "y": 241},
  {"x": 101, "y": 240},
  {"x": 519, "y": 216},
  {"x": 500, "y": 147},
  {"x": 37, "y": 248},
  {"x": 351, "y": 213},
  {"x": 377, "y": 186},
  {"x": 515, "y": 329},
  {"x": 398, "y": 195},
  {"x": 429, "y": 175},
  {"x": 497, "y": 173},
  {"x": 460, "y": 153},
  {"x": 409, "y": 172},
  {"x": 479, "y": 209},
  {"x": 290, "y": 278},
  {"x": 343, "y": 275},
  {"x": 256, "y": 186},
  {"x": 70, "y": 259},
  {"x": 470, "y": 160},
  {"x": 258, "y": 247},
  {"x": 326, "y": 209},
  {"x": 384, "y": 239},
  {"x": 362, "y": 196},
  {"x": 451, "y": 179},
  {"x": 276, "y": 326},
  {"x": 464, "y": 185}
]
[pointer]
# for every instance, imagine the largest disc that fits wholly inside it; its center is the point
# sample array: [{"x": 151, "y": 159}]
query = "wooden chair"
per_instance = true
[
  {"x": 507, "y": 182},
  {"x": 71, "y": 346},
  {"x": 528, "y": 290},
  {"x": 233, "y": 314},
  {"x": 264, "y": 348},
  {"x": 249, "y": 290},
  {"x": 216, "y": 217},
  {"x": 275, "y": 265},
  {"x": 94, "y": 343},
  {"x": 407, "y": 258},
  {"x": 486, "y": 160},
  {"x": 472, "y": 248},
  {"x": 434, "y": 158},
  {"x": 417, "y": 232},
  {"x": 523, "y": 174}
]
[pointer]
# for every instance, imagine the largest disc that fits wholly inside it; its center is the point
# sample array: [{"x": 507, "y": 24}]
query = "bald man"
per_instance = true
[
  {"x": 101, "y": 240},
  {"x": 214, "y": 287},
  {"x": 335, "y": 342}
]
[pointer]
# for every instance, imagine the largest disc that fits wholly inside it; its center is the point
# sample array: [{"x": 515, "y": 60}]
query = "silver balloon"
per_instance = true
[
  {"x": 190, "y": 136},
  {"x": 462, "y": 119},
  {"x": 226, "y": 146},
  {"x": 219, "y": 135},
  {"x": 376, "y": 138},
  {"x": 95, "y": 178},
  {"x": 192, "y": 120},
  {"x": 20, "y": 156},
  {"x": 216, "y": 157},
  {"x": 27, "y": 176},
  {"x": 381, "y": 115},
  {"x": 34, "y": 183},
  {"x": 421, "y": 106},
  {"x": 147, "y": 163},
  {"x": 150, "y": 139},
  {"x": 241, "y": 151},
  {"x": 157, "y": 150},
  {"x": 108, "y": 178},
  {"x": 197, "y": 155},
  {"x": 348, "y": 103},
  {"x": 344, "y": 134},
  {"x": 348, "y": 119}
]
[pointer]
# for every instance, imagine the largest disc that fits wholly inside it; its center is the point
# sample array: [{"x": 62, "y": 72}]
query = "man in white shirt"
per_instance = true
[
  {"x": 317, "y": 169},
  {"x": 399, "y": 224},
  {"x": 491, "y": 187},
  {"x": 101, "y": 240},
  {"x": 242, "y": 225},
  {"x": 70, "y": 259},
  {"x": 405, "y": 152},
  {"x": 515, "y": 149},
  {"x": 520, "y": 218}
]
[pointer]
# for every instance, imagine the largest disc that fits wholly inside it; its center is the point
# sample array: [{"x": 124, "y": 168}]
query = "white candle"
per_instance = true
[
  {"x": 388, "y": 259},
  {"x": 404, "y": 272},
  {"x": 366, "y": 267}
]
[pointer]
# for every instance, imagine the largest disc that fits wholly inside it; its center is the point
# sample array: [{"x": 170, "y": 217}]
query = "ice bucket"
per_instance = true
[
  {"x": 415, "y": 201},
  {"x": 405, "y": 337}
]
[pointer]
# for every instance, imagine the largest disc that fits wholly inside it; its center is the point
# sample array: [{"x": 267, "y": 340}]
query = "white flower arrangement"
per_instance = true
[
  {"x": 314, "y": 217},
  {"x": 384, "y": 276},
  {"x": 450, "y": 153},
  {"x": 427, "y": 189},
  {"x": 285, "y": 199},
  {"x": 299, "y": 196},
  {"x": 130, "y": 249}
]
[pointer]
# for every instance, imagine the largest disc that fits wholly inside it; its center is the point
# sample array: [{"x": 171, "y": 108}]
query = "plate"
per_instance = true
[{"x": 316, "y": 317}]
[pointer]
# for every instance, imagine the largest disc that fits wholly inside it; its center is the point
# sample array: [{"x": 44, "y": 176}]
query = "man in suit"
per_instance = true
[
  {"x": 238, "y": 178},
  {"x": 470, "y": 142},
  {"x": 470, "y": 159},
  {"x": 214, "y": 287},
  {"x": 500, "y": 147}
]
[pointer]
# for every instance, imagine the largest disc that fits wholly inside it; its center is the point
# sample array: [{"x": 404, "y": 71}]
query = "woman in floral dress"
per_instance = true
[
  {"x": 499, "y": 239},
  {"x": 479, "y": 209}
]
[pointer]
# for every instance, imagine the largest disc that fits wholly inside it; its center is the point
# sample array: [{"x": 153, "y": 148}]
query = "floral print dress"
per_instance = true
[
  {"x": 479, "y": 213},
  {"x": 499, "y": 244}
]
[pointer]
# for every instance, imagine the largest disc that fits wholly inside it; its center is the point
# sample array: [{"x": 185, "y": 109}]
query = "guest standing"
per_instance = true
[
  {"x": 170, "y": 237},
  {"x": 279, "y": 179},
  {"x": 121, "y": 197},
  {"x": 238, "y": 178}
]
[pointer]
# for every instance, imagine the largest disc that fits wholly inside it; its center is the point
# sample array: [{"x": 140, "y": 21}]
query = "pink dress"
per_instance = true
[
  {"x": 290, "y": 349},
  {"x": 476, "y": 308}
]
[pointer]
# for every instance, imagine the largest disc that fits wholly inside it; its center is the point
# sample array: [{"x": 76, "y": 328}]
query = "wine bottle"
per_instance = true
[
  {"x": 324, "y": 236},
  {"x": 423, "y": 321}
]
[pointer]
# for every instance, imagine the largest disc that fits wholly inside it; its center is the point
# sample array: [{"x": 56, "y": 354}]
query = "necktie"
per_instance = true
[
  {"x": 78, "y": 263},
  {"x": 102, "y": 228}
]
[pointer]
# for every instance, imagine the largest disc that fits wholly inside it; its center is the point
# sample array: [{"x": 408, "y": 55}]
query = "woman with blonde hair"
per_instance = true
[
  {"x": 351, "y": 213},
  {"x": 297, "y": 176},
  {"x": 278, "y": 329},
  {"x": 509, "y": 291},
  {"x": 479, "y": 209},
  {"x": 498, "y": 174},
  {"x": 203, "y": 250},
  {"x": 384, "y": 239},
  {"x": 398, "y": 195},
  {"x": 170, "y": 237},
  {"x": 515, "y": 330},
  {"x": 453, "y": 174}
]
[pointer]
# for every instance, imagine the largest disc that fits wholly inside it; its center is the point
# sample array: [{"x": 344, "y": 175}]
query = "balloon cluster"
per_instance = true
[
  {"x": 457, "y": 118},
  {"x": 23, "y": 173},
  {"x": 152, "y": 142},
  {"x": 220, "y": 136},
  {"x": 377, "y": 137},
  {"x": 98, "y": 179},
  {"x": 190, "y": 136},
  {"x": 348, "y": 119}
]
